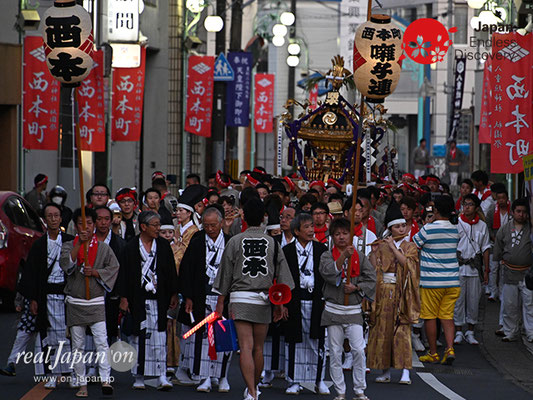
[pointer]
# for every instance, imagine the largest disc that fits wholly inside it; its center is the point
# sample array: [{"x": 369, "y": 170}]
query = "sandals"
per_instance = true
[
  {"x": 82, "y": 392},
  {"x": 107, "y": 389},
  {"x": 360, "y": 396}
]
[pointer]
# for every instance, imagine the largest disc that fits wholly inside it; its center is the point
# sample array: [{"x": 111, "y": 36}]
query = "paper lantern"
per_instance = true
[
  {"x": 68, "y": 42},
  {"x": 377, "y": 52}
]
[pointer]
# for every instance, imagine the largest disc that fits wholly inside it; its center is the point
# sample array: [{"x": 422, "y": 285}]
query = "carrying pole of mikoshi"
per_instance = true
[{"x": 356, "y": 166}]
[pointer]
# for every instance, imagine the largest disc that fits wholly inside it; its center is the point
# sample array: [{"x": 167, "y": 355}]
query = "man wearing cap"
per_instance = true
[
  {"x": 408, "y": 178},
  {"x": 127, "y": 201},
  {"x": 333, "y": 187},
  {"x": 305, "y": 360},
  {"x": 37, "y": 196},
  {"x": 198, "y": 270},
  {"x": 278, "y": 188},
  {"x": 250, "y": 263}
]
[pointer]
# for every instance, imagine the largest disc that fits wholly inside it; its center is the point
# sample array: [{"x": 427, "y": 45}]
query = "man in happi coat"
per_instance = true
[
  {"x": 304, "y": 337},
  {"x": 199, "y": 268},
  {"x": 396, "y": 303},
  {"x": 348, "y": 277},
  {"x": 42, "y": 284},
  {"x": 148, "y": 285},
  {"x": 512, "y": 248},
  {"x": 101, "y": 268},
  {"x": 250, "y": 263}
]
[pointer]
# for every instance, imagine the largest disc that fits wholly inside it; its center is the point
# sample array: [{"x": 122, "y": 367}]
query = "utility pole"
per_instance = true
[
  {"x": 218, "y": 126},
  {"x": 292, "y": 70},
  {"x": 235, "y": 45}
]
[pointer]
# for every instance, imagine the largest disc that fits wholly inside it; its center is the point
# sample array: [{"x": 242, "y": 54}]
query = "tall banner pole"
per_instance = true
[
  {"x": 76, "y": 118},
  {"x": 357, "y": 163}
]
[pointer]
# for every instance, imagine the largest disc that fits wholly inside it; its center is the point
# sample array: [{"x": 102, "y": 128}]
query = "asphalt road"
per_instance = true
[{"x": 470, "y": 377}]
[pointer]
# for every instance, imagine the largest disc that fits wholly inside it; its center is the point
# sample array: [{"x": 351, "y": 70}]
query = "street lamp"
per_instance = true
[
  {"x": 279, "y": 30},
  {"x": 294, "y": 49},
  {"x": 278, "y": 41},
  {"x": 213, "y": 23},
  {"x": 293, "y": 61},
  {"x": 195, "y": 6},
  {"x": 476, "y": 3},
  {"x": 287, "y": 18}
]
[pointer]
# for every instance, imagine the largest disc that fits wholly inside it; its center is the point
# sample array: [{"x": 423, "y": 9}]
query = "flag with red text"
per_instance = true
[
  {"x": 264, "y": 103},
  {"x": 127, "y": 102},
  {"x": 40, "y": 99}
]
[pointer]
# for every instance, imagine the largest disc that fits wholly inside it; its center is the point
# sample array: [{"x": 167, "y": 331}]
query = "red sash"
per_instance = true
[
  {"x": 354, "y": 262},
  {"x": 244, "y": 225},
  {"x": 497, "y": 217},
  {"x": 93, "y": 249},
  {"x": 468, "y": 221}
]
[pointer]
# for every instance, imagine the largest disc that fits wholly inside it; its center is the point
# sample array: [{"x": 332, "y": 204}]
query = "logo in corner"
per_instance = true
[{"x": 426, "y": 41}]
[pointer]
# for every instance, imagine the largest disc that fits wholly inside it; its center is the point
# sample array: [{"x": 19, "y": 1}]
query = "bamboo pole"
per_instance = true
[
  {"x": 82, "y": 191},
  {"x": 356, "y": 167}
]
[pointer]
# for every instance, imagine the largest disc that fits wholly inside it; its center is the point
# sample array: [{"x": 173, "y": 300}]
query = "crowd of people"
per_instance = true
[{"x": 403, "y": 268}]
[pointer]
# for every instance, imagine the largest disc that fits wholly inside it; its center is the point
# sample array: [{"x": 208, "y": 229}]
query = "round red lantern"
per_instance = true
[
  {"x": 68, "y": 41},
  {"x": 377, "y": 52}
]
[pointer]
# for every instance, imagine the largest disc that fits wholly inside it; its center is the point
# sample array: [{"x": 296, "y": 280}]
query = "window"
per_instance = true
[
  {"x": 460, "y": 20},
  {"x": 34, "y": 220},
  {"x": 16, "y": 212}
]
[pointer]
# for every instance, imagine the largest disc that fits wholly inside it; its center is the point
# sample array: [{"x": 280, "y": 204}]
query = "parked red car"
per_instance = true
[{"x": 20, "y": 226}]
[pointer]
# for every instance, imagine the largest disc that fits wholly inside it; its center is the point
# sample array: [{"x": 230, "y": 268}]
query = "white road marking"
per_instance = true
[
  {"x": 416, "y": 362},
  {"x": 439, "y": 386}
]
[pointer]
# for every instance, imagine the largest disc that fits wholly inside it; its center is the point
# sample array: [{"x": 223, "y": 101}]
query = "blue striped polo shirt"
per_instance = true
[{"x": 438, "y": 256}]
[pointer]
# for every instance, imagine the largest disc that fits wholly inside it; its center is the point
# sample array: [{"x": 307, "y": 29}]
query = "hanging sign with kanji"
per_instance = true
[
  {"x": 40, "y": 99},
  {"x": 457, "y": 96},
  {"x": 200, "y": 95},
  {"x": 127, "y": 102},
  {"x": 238, "y": 91},
  {"x": 484, "y": 133},
  {"x": 68, "y": 41},
  {"x": 264, "y": 103},
  {"x": 512, "y": 108},
  {"x": 91, "y": 107}
]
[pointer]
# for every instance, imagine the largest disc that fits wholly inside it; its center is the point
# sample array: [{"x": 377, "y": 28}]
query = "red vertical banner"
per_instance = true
[
  {"x": 127, "y": 103},
  {"x": 511, "y": 104},
  {"x": 200, "y": 95},
  {"x": 313, "y": 97},
  {"x": 91, "y": 107},
  {"x": 40, "y": 99},
  {"x": 264, "y": 103},
  {"x": 486, "y": 105}
]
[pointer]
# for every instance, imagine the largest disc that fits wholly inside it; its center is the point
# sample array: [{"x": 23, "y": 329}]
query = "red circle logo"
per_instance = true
[{"x": 426, "y": 41}]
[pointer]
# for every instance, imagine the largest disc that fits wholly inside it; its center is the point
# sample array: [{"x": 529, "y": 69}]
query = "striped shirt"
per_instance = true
[{"x": 438, "y": 257}]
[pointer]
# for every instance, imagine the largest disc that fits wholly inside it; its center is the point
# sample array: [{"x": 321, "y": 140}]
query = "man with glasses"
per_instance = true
[
  {"x": 320, "y": 213},
  {"x": 127, "y": 201},
  {"x": 473, "y": 256},
  {"x": 148, "y": 285}
]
